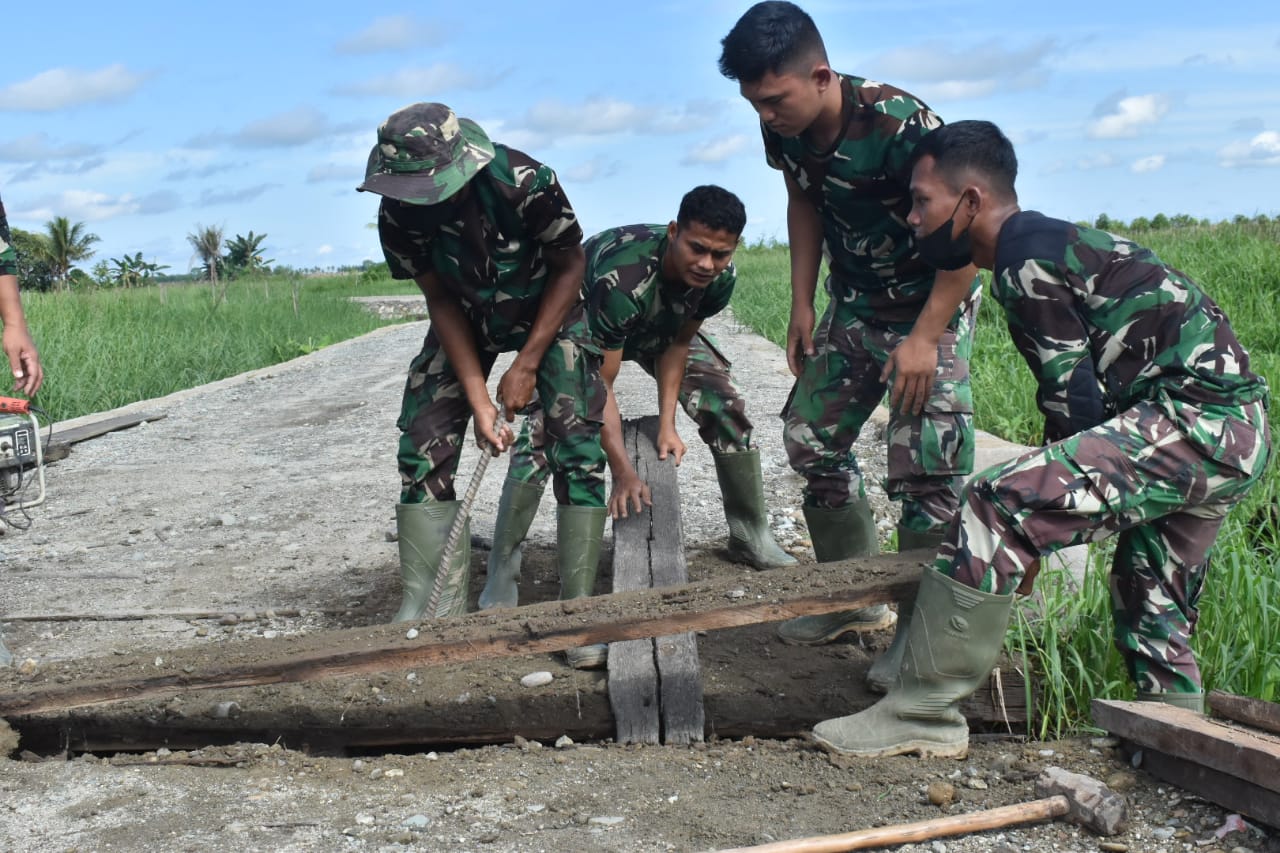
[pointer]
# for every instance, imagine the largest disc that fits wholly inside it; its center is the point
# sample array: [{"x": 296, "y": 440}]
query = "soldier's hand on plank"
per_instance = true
[
  {"x": 669, "y": 443},
  {"x": 629, "y": 493}
]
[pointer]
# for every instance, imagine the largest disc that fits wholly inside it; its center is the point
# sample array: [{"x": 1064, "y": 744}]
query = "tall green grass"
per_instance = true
[
  {"x": 106, "y": 348},
  {"x": 1064, "y": 633}
]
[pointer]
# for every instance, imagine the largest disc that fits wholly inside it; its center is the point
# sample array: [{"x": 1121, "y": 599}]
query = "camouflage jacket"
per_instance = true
[
  {"x": 861, "y": 189},
  {"x": 630, "y": 306},
  {"x": 1103, "y": 323},
  {"x": 8, "y": 257},
  {"x": 490, "y": 253}
]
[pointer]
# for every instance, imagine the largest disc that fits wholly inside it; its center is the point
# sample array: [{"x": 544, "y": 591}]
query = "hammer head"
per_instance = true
[{"x": 1092, "y": 804}]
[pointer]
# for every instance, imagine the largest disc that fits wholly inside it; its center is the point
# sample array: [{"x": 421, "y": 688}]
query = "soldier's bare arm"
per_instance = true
[
  {"x": 564, "y": 285},
  {"x": 670, "y": 375},
  {"x": 804, "y": 234},
  {"x": 629, "y": 491},
  {"x": 456, "y": 337}
]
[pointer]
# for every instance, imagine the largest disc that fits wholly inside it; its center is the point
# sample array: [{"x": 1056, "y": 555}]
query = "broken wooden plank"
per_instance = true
[
  {"x": 1224, "y": 789},
  {"x": 1247, "y": 710},
  {"x": 1200, "y": 751},
  {"x": 747, "y": 599},
  {"x": 649, "y": 552}
]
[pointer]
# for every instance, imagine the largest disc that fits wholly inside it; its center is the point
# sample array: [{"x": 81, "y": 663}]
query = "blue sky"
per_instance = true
[{"x": 146, "y": 120}]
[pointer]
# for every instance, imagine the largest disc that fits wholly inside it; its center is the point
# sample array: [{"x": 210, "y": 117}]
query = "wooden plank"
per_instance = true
[
  {"x": 679, "y": 675},
  {"x": 633, "y": 671},
  {"x": 1249, "y": 755},
  {"x": 747, "y": 599},
  {"x": 1224, "y": 789},
  {"x": 1247, "y": 710},
  {"x": 84, "y": 432}
]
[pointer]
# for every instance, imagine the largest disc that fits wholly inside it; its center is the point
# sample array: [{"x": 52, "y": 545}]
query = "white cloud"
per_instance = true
[
  {"x": 326, "y": 172},
  {"x": 1129, "y": 115},
  {"x": 325, "y": 249},
  {"x": 1261, "y": 150},
  {"x": 1150, "y": 163},
  {"x": 714, "y": 151},
  {"x": 972, "y": 71},
  {"x": 298, "y": 126},
  {"x": 90, "y": 206},
  {"x": 591, "y": 170},
  {"x": 419, "y": 83},
  {"x": 38, "y": 147},
  {"x": 390, "y": 33},
  {"x": 602, "y": 116},
  {"x": 59, "y": 88}
]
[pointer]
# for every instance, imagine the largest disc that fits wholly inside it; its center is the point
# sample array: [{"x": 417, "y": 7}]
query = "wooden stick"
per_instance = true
[
  {"x": 1246, "y": 709},
  {"x": 908, "y": 833}
]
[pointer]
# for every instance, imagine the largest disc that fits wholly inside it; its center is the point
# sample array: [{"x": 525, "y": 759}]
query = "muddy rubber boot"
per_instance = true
[
  {"x": 884, "y": 669},
  {"x": 579, "y": 530},
  {"x": 516, "y": 509},
  {"x": 839, "y": 534},
  {"x": 1190, "y": 701},
  {"x": 742, "y": 493},
  {"x": 955, "y": 635},
  {"x": 423, "y": 529}
]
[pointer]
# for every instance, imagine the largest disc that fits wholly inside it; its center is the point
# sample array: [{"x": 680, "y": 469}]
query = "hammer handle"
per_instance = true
[{"x": 909, "y": 833}]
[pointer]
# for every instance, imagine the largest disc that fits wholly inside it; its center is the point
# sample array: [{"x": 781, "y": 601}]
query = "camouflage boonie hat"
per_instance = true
[{"x": 425, "y": 154}]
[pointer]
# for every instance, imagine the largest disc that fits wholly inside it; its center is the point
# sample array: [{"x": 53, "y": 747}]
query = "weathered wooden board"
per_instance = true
[
  {"x": 656, "y": 686},
  {"x": 1247, "y": 710},
  {"x": 746, "y": 599},
  {"x": 1201, "y": 754}
]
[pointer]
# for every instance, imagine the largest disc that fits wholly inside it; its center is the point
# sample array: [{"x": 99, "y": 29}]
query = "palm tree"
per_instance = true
[
  {"x": 66, "y": 243},
  {"x": 244, "y": 254},
  {"x": 207, "y": 241}
]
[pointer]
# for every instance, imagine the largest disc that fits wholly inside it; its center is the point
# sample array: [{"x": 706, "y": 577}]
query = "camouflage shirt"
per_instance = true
[
  {"x": 631, "y": 307},
  {"x": 1103, "y": 323},
  {"x": 8, "y": 257},
  {"x": 861, "y": 189},
  {"x": 489, "y": 253}
]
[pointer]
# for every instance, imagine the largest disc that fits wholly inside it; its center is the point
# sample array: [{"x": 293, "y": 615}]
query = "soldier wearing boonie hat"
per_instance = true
[{"x": 488, "y": 235}]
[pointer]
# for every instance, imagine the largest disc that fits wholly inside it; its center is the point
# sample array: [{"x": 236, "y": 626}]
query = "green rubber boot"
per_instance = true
[
  {"x": 955, "y": 635},
  {"x": 422, "y": 531},
  {"x": 884, "y": 669},
  {"x": 1191, "y": 701},
  {"x": 579, "y": 530},
  {"x": 839, "y": 534},
  {"x": 742, "y": 492},
  {"x": 516, "y": 509}
]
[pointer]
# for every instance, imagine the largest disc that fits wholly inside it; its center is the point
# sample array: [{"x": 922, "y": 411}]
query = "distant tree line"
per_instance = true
[
  {"x": 1161, "y": 222},
  {"x": 49, "y": 261}
]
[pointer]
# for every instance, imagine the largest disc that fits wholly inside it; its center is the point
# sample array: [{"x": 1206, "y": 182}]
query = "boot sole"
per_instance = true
[
  {"x": 883, "y": 623},
  {"x": 738, "y": 554},
  {"x": 923, "y": 748}
]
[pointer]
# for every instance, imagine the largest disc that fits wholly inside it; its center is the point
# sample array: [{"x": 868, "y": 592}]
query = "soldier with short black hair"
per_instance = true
[
  {"x": 1155, "y": 427},
  {"x": 488, "y": 235},
  {"x": 893, "y": 323},
  {"x": 648, "y": 289}
]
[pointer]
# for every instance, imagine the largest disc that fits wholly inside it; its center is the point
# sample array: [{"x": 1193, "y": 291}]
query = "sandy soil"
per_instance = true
[{"x": 263, "y": 506}]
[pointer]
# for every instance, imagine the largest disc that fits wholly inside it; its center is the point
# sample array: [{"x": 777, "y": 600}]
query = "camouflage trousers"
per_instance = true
[
  {"x": 1162, "y": 475},
  {"x": 435, "y": 412},
  {"x": 928, "y": 454},
  {"x": 708, "y": 395}
]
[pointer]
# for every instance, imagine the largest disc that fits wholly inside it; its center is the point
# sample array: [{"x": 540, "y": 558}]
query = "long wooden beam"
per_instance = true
[{"x": 746, "y": 599}]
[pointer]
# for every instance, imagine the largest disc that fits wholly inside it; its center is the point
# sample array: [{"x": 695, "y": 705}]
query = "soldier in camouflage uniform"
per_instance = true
[
  {"x": 20, "y": 349},
  {"x": 843, "y": 144},
  {"x": 488, "y": 234},
  {"x": 648, "y": 289},
  {"x": 1154, "y": 427}
]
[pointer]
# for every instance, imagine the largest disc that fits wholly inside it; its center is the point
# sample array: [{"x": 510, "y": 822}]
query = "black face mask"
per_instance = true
[{"x": 940, "y": 250}]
